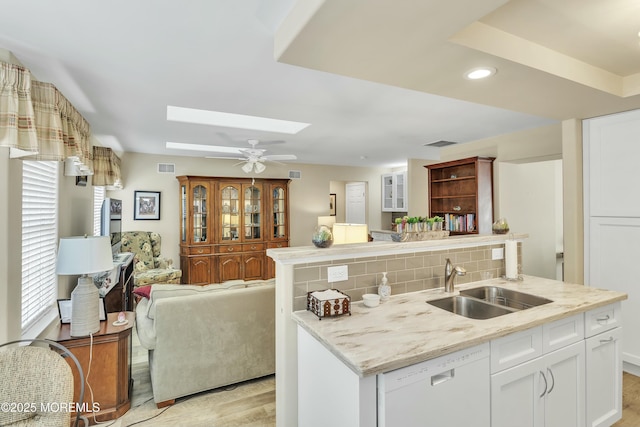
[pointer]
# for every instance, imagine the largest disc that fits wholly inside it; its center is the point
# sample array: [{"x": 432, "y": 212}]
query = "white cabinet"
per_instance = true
[
  {"x": 612, "y": 215},
  {"x": 603, "y": 366},
  {"x": 394, "y": 192},
  {"x": 546, "y": 391}
]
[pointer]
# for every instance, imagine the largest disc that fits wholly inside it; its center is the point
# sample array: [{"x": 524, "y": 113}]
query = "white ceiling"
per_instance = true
[{"x": 376, "y": 79}]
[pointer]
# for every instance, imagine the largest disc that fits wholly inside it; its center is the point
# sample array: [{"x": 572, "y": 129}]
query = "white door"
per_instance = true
[
  {"x": 355, "y": 204},
  {"x": 564, "y": 397},
  {"x": 604, "y": 378},
  {"x": 517, "y": 396}
]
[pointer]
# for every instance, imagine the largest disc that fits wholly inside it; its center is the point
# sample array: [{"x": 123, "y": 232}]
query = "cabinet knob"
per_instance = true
[
  {"x": 603, "y": 319},
  {"x": 230, "y": 249},
  {"x": 200, "y": 251},
  {"x": 610, "y": 339},
  {"x": 253, "y": 247},
  {"x": 457, "y": 208}
]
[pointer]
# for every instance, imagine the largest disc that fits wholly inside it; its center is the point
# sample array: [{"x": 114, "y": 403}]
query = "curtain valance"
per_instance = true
[
  {"x": 38, "y": 123},
  {"x": 106, "y": 168},
  {"x": 17, "y": 118}
]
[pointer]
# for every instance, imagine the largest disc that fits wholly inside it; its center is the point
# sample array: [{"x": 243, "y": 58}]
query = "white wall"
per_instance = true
[
  {"x": 309, "y": 196},
  {"x": 529, "y": 198}
]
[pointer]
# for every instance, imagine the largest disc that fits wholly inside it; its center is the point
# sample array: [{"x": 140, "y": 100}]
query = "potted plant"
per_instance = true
[
  {"x": 437, "y": 222},
  {"x": 322, "y": 238}
]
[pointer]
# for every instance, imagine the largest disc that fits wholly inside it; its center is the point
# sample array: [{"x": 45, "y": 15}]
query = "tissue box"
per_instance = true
[{"x": 328, "y": 303}]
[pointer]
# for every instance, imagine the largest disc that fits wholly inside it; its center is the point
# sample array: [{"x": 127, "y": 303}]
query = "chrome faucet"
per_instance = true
[{"x": 450, "y": 273}]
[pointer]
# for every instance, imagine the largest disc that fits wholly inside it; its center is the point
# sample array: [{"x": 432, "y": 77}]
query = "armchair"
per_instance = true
[
  {"x": 148, "y": 267},
  {"x": 38, "y": 380}
]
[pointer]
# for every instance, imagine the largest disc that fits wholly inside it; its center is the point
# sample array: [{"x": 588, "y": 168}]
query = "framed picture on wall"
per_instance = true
[
  {"x": 146, "y": 205},
  {"x": 332, "y": 204}
]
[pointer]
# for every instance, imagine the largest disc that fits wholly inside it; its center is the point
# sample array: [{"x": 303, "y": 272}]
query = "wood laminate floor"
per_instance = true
[{"x": 252, "y": 403}]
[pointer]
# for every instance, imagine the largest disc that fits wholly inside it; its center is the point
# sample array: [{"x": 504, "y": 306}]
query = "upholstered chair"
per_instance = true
[
  {"x": 36, "y": 381},
  {"x": 149, "y": 267}
]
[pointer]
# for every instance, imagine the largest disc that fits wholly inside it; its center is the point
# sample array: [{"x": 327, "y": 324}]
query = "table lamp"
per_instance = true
[{"x": 84, "y": 255}]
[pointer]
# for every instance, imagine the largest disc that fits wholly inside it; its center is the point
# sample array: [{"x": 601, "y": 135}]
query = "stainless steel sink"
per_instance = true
[
  {"x": 487, "y": 302},
  {"x": 470, "y": 307},
  {"x": 505, "y": 297}
]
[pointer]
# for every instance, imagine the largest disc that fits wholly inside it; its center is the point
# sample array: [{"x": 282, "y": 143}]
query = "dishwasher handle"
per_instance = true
[{"x": 443, "y": 377}]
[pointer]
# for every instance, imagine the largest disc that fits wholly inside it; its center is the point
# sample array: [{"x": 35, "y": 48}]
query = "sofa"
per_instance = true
[
  {"x": 148, "y": 266},
  {"x": 204, "y": 337}
]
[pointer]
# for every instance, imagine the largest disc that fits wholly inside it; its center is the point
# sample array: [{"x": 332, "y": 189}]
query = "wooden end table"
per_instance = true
[{"x": 110, "y": 373}]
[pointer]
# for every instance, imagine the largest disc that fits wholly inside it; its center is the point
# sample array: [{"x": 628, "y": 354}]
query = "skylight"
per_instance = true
[{"x": 240, "y": 121}]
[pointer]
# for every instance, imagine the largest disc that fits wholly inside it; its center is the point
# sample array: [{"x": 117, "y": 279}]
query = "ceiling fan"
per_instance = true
[{"x": 253, "y": 158}]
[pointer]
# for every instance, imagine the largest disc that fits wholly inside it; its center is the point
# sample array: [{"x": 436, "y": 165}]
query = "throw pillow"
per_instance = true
[{"x": 143, "y": 291}]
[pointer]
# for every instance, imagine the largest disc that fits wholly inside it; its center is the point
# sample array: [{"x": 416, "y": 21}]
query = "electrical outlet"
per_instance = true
[
  {"x": 497, "y": 253},
  {"x": 338, "y": 273}
]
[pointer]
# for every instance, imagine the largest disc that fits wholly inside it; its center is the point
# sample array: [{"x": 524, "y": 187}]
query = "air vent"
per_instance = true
[
  {"x": 295, "y": 174},
  {"x": 169, "y": 168},
  {"x": 440, "y": 144}
]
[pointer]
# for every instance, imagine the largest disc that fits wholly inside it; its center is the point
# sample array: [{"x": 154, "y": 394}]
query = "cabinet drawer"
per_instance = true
[
  {"x": 200, "y": 250},
  {"x": 275, "y": 245},
  {"x": 602, "y": 319},
  {"x": 516, "y": 348},
  {"x": 229, "y": 249},
  {"x": 562, "y": 332},
  {"x": 249, "y": 247}
]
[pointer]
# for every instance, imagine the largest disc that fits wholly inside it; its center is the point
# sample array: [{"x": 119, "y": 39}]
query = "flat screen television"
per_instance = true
[{"x": 111, "y": 222}]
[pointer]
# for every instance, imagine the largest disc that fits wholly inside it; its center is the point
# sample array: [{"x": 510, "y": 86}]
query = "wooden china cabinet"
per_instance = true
[{"x": 226, "y": 226}]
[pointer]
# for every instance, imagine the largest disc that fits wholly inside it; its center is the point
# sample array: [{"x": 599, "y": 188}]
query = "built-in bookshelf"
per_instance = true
[{"x": 461, "y": 191}]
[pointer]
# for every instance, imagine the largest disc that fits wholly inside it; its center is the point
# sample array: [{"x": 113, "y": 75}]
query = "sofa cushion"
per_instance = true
[
  {"x": 169, "y": 291},
  {"x": 156, "y": 275},
  {"x": 144, "y": 326}
]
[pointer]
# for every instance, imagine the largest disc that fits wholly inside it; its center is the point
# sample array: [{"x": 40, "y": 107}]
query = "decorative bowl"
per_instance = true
[{"x": 371, "y": 300}]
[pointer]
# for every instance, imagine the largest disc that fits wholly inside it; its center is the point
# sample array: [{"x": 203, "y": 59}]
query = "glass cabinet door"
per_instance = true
[
  {"x": 230, "y": 213},
  {"x": 183, "y": 213},
  {"x": 252, "y": 209},
  {"x": 279, "y": 214},
  {"x": 199, "y": 214}
]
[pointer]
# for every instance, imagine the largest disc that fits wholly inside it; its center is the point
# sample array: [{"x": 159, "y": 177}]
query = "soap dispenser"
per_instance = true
[{"x": 384, "y": 289}]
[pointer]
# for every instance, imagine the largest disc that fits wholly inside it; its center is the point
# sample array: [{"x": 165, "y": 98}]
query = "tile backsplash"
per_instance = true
[{"x": 406, "y": 272}]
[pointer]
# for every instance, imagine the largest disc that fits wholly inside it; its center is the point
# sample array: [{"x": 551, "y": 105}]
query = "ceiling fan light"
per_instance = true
[
  {"x": 259, "y": 167},
  {"x": 247, "y": 167}
]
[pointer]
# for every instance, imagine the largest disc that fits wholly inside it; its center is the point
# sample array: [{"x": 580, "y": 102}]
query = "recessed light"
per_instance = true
[
  {"x": 231, "y": 120},
  {"x": 480, "y": 73}
]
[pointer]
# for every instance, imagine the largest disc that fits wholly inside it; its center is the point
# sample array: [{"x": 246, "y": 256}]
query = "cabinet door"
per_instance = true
[
  {"x": 564, "y": 397},
  {"x": 230, "y": 267},
  {"x": 199, "y": 270},
  {"x": 604, "y": 378},
  {"x": 253, "y": 265},
  {"x": 277, "y": 211},
  {"x": 517, "y": 395},
  {"x": 387, "y": 193},
  {"x": 200, "y": 220},
  {"x": 252, "y": 212},
  {"x": 230, "y": 220}
]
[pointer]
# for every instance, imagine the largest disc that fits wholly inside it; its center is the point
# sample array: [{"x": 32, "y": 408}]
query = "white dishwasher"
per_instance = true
[{"x": 449, "y": 391}]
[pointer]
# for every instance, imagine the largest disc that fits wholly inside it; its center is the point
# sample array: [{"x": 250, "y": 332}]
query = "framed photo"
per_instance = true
[
  {"x": 64, "y": 310},
  {"x": 332, "y": 204},
  {"x": 146, "y": 205}
]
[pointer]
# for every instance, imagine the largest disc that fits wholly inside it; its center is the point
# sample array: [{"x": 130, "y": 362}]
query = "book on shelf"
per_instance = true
[{"x": 465, "y": 223}]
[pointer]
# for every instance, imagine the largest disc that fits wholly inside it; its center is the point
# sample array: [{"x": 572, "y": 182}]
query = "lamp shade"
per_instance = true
[
  {"x": 84, "y": 255},
  {"x": 326, "y": 220},
  {"x": 350, "y": 233}
]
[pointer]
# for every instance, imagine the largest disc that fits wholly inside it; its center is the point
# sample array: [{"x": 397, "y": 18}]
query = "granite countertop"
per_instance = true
[{"x": 405, "y": 329}]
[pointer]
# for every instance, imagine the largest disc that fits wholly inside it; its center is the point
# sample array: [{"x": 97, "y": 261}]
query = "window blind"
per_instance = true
[
  {"x": 98, "y": 198},
  {"x": 39, "y": 238}
]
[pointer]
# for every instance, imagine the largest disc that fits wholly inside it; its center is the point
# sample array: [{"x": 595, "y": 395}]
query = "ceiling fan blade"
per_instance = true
[
  {"x": 200, "y": 147},
  {"x": 226, "y": 157},
  {"x": 274, "y": 157}
]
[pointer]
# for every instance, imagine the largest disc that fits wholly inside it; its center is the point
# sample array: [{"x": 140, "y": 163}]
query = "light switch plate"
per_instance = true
[
  {"x": 497, "y": 253},
  {"x": 338, "y": 273}
]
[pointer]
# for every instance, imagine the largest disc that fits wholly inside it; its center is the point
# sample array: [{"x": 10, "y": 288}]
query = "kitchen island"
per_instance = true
[
  {"x": 350, "y": 356},
  {"x": 416, "y": 266}
]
